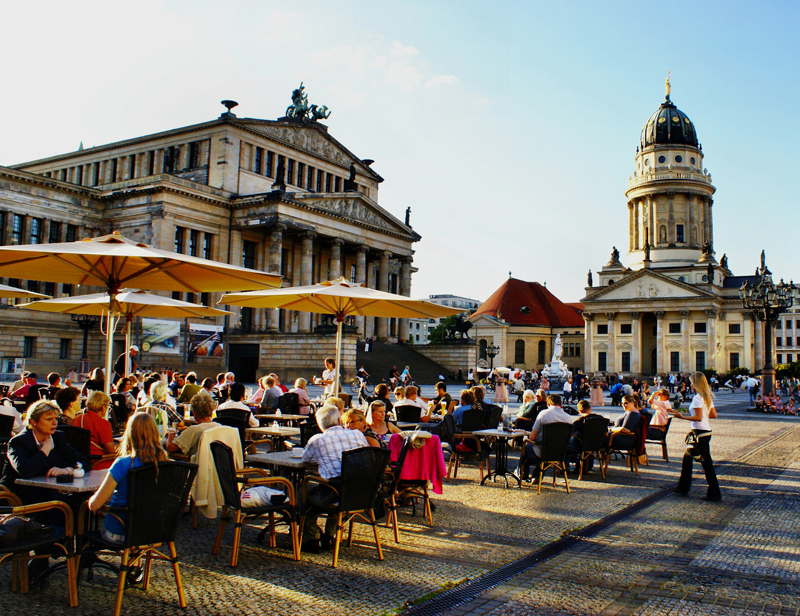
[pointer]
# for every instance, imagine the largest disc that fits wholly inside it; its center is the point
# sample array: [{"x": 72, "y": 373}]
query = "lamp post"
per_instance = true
[
  {"x": 767, "y": 300},
  {"x": 492, "y": 350},
  {"x": 86, "y": 322}
]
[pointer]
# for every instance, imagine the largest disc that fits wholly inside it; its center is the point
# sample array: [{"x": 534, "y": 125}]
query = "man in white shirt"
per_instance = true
[
  {"x": 412, "y": 399},
  {"x": 236, "y": 391},
  {"x": 751, "y": 384},
  {"x": 532, "y": 454}
]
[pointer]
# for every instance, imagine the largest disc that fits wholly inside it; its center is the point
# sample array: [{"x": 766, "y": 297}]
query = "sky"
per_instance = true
[{"x": 508, "y": 127}]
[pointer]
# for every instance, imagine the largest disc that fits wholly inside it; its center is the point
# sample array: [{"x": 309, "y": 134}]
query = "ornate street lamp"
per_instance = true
[
  {"x": 492, "y": 350},
  {"x": 767, "y": 300},
  {"x": 86, "y": 322}
]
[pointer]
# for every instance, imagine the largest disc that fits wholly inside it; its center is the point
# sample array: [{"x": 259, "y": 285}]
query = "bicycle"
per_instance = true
[{"x": 358, "y": 385}]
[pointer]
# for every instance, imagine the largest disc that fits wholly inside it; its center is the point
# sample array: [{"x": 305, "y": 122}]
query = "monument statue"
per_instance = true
[
  {"x": 589, "y": 279},
  {"x": 301, "y": 110},
  {"x": 707, "y": 250},
  {"x": 460, "y": 327},
  {"x": 710, "y": 273},
  {"x": 558, "y": 349},
  {"x": 723, "y": 262},
  {"x": 556, "y": 371},
  {"x": 319, "y": 113},
  {"x": 646, "y": 249},
  {"x": 666, "y": 83},
  {"x": 408, "y": 216},
  {"x": 615, "y": 254},
  {"x": 280, "y": 175},
  {"x": 350, "y": 183}
]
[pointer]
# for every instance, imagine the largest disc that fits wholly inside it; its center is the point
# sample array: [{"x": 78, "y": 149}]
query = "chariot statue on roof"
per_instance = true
[{"x": 301, "y": 110}]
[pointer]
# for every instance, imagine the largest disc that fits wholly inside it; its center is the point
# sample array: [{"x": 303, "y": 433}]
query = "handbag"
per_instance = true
[
  {"x": 691, "y": 439},
  {"x": 17, "y": 529}
]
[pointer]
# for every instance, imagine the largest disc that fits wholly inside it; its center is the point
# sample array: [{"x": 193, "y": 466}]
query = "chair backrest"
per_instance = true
[
  {"x": 397, "y": 467},
  {"x": 289, "y": 404},
  {"x": 362, "y": 473},
  {"x": 570, "y": 410},
  {"x": 35, "y": 393},
  {"x": 555, "y": 440},
  {"x": 308, "y": 429},
  {"x": 641, "y": 432},
  {"x": 3, "y": 452},
  {"x": 6, "y": 426},
  {"x": 238, "y": 414},
  {"x": 4, "y": 390},
  {"x": 472, "y": 420},
  {"x": 407, "y": 412},
  {"x": 119, "y": 409},
  {"x": 493, "y": 416},
  {"x": 595, "y": 430},
  {"x": 448, "y": 428},
  {"x": 157, "y": 495},
  {"x": 226, "y": 472},
  {"x": 79, "y": 438},
  {"x": 234, "y": 422},
  {"x": 346, "y": 397}
]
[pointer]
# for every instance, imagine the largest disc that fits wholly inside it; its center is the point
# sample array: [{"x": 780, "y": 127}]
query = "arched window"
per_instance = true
[
  {"x": 482, "y": 349},
  {"x": 519, "y": 352},
  {"x": 542, "y": 351}
]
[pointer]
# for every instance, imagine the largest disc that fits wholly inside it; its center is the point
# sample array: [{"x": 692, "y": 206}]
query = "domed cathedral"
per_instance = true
[{"x": 674, "y": 307}]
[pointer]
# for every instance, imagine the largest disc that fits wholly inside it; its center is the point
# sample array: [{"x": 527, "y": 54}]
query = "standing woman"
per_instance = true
[{"x": 699, "y": 439}]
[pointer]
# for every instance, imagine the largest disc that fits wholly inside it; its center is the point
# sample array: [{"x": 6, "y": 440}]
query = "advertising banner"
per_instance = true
[
  {"x": 205, "y": 340},
  {"x": 161, "y": 336}
]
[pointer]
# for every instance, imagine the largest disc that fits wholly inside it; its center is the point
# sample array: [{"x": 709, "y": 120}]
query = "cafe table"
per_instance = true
[
  {"x": 277, "y": 434},
  {"x": 290, "y": 419},
  {"x": 294, "y": 467},
  {"x": 501, "y": 454},
  {"x": 88, "y": 483}
]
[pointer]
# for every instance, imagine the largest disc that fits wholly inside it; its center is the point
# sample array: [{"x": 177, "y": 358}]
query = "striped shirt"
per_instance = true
[{"x": 326, "y": 449}]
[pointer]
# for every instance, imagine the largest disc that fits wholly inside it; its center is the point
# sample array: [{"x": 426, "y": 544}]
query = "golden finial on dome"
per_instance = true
[{"x": 666, "y": 83}]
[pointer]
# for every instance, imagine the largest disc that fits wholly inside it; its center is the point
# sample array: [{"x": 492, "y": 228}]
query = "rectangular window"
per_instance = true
[
  {"x": 788, "y": 342},
  {"x": 352, "y": 273},
  {"x": 33, "y": 285},
  {"x": 789, "y": 358},
  {"x": 626, "y": 361},
  {"x": 206, "y": 245},
  {"x": 205, "y": 299},
  {"x": 95, "y": 174},
  {"x": 700, "y": 328},
  {"x": 194, "y": 155},
  {"x": 16, "y": 229},
  {"x": 248, "y": 254},
  {"x": 151, "y": 162},
  {"x": 789, "y": 324},
  {"x": 674, "y": 328},
  {"x": 72, "y": 233},
  {"x": 301, "y": 174},
  {"x": 337, "y": 184},
  {"x": 50, "y": 288},
  {"x": 2, "y": 228},
  {"x": 190, "y": 297},
  {"x": 679, "y": 233},
  {"x": 193, "y": 237},
  {"x": 66, "y": 290},
  {"x": 734, "y": 361},
  {"x": 179, "y": 239},
  {"x": 310, "y": 178},
  {"x": 779, "y": 358},
  {"x": 320, "y": 175},
  {"x": 328, "y": 178},
  {"x": 625, "y": 328},
  {"x": 734, "y": 328},
  {"x": 79, "y": 175},
  {"x": 28, "y": 346},
  {"x": 601, "y": 361},
  {"x": 268, "y": 170},
  {"x": 602, "y": 328},
  {"x": 63, "y": 175},
  {"x": 170, "y": 156},
  {"x": 55, "y": 232},
  {"x": 258, "y": 163},
  {"x": 778, "y": 324},
  {"x": 290, "y": 171},
  {"x": 577, "y": 349},
  {"x": 36, "y": 231},
  {"x": 778, "y": 342},
  {"x": 63, "y": 348},
  {"x": 177, "y": 295},
  {"x": 113, "y": 169},
  {"x": 246, "y": 320},
  {"x": 797, "y": 324},
  {"x": 675, "y": 361},
  {"x": 700, "y": 360},
  {"x": 131, "y": 166}
]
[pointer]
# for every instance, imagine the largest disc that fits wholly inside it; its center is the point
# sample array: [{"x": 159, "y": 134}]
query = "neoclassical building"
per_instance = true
[
  {"x": 674, "y": 307},
  {"x": 282, "y": 196}
]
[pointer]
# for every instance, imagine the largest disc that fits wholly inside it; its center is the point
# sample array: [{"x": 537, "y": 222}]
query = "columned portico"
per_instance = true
[
  {"x": 361, "y": 277},
  {"x": 685, "y": 350},
  {"x": 405, "y": 289},
  {"x": 589, "y": 344},
  {"x": 306, "y": 275},
  {"x": 383, "y": 285},
  {"x": 661, "y": 366},
  {"x": 274, "y": 267},
  {"x": 636, "y": 350},
  {"x": 711, "y": 328},
  {"x": 611, "y": 358}
]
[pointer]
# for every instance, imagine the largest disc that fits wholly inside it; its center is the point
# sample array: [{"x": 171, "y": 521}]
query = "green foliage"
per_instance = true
[
  {"x": 788, "y": 370},
  {"x": 437, "y": 334}
]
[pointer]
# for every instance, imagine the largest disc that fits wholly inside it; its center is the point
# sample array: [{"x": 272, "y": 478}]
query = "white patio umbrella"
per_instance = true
[
  {"x": 341, "y": 299},
  {"x": 113, "y": 262},
  {"x": 127, "y": 303},
  {"x": 17, "y": 293}
]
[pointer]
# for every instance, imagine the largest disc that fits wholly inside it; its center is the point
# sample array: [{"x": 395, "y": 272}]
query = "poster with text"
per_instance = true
[
  {"x": 161, "y": 336},
  {"x": 205, "y": 340}
]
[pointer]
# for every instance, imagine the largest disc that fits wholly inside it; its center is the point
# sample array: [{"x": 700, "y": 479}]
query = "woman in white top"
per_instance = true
[{"x": 699, "y": 438}]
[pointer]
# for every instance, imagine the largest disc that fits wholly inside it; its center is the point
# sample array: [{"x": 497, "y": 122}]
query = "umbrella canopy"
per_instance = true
[
  {"x": 113, "y": 261},
  {"x": 16, "y": 293},
  {"x": 340, "y": 298}
]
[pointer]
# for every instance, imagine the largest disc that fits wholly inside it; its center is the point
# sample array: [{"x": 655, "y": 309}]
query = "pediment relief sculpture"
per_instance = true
[
  {"x": 307, "y": 139},
  {"x": 353, "y": 209}
]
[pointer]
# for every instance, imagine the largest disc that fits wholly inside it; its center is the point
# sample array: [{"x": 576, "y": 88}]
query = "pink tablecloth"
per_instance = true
[{"x": 425, "y": 463}]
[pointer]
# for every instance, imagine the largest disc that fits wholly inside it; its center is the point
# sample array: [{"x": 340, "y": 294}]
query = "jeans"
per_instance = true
[
  {"x": 701, "y": 452},
  {"x": 320, "y": 496},
  {"x": 528, "y": 459}
]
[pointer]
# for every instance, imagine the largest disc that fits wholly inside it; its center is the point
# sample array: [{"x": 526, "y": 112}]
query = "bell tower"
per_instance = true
[{"x": 670, "y": 222}]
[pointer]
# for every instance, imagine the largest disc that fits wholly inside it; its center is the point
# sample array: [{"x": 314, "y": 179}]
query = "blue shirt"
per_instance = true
[
  {"x": 119, "y": 471},
  {"x": 458, "y": 415}
]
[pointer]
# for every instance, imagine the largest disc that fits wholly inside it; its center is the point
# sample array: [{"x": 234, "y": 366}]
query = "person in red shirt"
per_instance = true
[{"x": 100, "y": 428}]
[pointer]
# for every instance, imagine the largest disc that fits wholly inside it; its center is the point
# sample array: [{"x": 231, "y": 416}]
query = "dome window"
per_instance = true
[
  {"x": 679, "y": 159},
  {"x": 647, "y": 162},
  {"x": 662, "y": 159},
  {"x": 692, "y": 159}
]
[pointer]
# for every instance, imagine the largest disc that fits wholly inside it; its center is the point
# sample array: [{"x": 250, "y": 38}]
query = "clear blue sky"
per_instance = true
[{"x": 509, "y": 128}]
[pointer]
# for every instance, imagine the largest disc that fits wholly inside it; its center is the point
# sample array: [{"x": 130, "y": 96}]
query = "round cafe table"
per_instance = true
[{"x": 501, "y": 454}]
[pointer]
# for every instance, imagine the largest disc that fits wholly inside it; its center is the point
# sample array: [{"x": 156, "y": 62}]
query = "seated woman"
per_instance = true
[
  {"x": 162, "y": 401},
  {"x": 96, "y": 382},
  {"x": 622, "y": 434},
  {"x": 355, "y": 420},
  {"x": 659, "y": 402},
  {"x": 140, "y": 445},
  {"x": 303, "y": 399},
  {"x": 40, "y": 450},
  {"x": 124, "y": 388},
  {"x": 532, "y": 405},
  {"x": 376, "y": 421},
  {"x": 258, "y": 396},
  {"x": 467, "y": 402},
  {"x": 759, "y": 403},
  {"x": 69, "y": 401},
  {"x": 382, "y": 395},
  {"x": 203, "y": 410},
  {"x": 93, "y": 420}
]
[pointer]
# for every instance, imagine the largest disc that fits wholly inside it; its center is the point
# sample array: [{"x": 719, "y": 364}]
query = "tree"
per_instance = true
[{"x": 438, "y": 333}]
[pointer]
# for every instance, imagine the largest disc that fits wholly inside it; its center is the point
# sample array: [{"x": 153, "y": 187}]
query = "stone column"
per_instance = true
[
  {"x": 721, "y": 344},
  {"x": 711, "y": 332},
  {"x": 710, "y": 221},
  {"x": 382, "y": 325},
  {"x": 306, "y": 261},
  {"x": 588, "y": 350},
  {"x": 361, "y": 278},
  {"x": 758, "y": 337},
  {"x": 274, "y": 267},
  {"x": 611, "y": 359},
  {"x": 636, "y": 347},
  {"x": 336, "y": 258},
  {"x": 685, "y": 350},
  {"x": 671, "y": 231},
  {"x": 633, "y": 230},
  {"x": 661, "y": 367},
  {"x": 371, "y": 282},
  {"x": 405, "y": 289}
]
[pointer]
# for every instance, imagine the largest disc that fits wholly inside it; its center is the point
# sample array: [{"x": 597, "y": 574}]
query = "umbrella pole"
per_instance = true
[
  {"x": 128, "y": 318},
  {"x": 111, "y": 325},
  {"x": 339, "y": 322}
]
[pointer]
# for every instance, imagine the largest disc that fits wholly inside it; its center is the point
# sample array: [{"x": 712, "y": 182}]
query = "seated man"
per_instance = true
[
  {"x": 27, "y": 390},
  {"x": 236, "y": 392},
  {"x": 576, "y": 440},
  {"x": 54, "y": 385},
  {"x": 616, "y": 393},
  {"x": 411, "y": 400},
  {"x": 189, "y": 439},
  {"x": 190, "y": 389},
  {"x": 532, "y": 454},
  {"x": 272, "y": 393},
  {"x": 326, "y": 450}
]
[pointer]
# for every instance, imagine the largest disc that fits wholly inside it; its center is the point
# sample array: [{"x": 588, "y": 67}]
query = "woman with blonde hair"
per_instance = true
[
  {"x": 699, "y": 438},
  {"x": 140, "y": 445},
  {"x": 355, "y": 420},
  {"x": 94, "y": 420},
  {"x": 376, "y": 420}
]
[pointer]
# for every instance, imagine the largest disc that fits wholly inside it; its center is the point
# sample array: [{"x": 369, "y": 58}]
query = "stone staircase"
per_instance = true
[{"x": 383, "y": 356}]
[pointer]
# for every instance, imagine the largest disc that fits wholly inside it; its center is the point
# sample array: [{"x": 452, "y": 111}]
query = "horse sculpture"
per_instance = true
[{"x": 459, "y": 327}]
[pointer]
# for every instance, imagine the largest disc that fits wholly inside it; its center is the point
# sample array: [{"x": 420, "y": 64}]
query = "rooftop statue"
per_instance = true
[{"x": 301, "y": 110}]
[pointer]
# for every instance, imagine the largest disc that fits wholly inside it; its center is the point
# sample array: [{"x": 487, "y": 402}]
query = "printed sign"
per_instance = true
[
  {"x": 161, "y": 336},
  {"x": 205, "y": 340}
]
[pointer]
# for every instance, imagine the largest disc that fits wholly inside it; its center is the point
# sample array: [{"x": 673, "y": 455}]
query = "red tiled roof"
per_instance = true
[{"x": 544, "y": 308}]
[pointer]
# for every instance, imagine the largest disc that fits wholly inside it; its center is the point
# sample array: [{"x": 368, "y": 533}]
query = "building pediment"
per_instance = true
[
  {"x": 647, "y": 284},
  {"x": 356, "y": 209}
]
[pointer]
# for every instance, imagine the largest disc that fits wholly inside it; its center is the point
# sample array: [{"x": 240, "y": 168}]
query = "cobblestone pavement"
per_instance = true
[{"x": 672, "y": 556}]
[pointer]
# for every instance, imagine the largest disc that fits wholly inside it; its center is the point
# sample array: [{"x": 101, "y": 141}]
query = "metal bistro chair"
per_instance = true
[
  {"x": 389, "y": 490},
  {"x": 308, "y": 429},
  {"x": 230, "y": 478},
  {"x": 6, "y": 426},
  {"x": 471, "y": 420},
  {"x": 81, "y": 440},
  {"x": 661, "y": 439},
  {"x": 555, "y": 441},
  {"x": 633, "y": 453},
  {"x": 594, "y": 435},
  {"x": 410, "y": 413},
  {"x": 362, "y": 473},
  {"x": 156, "y": 496}
]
